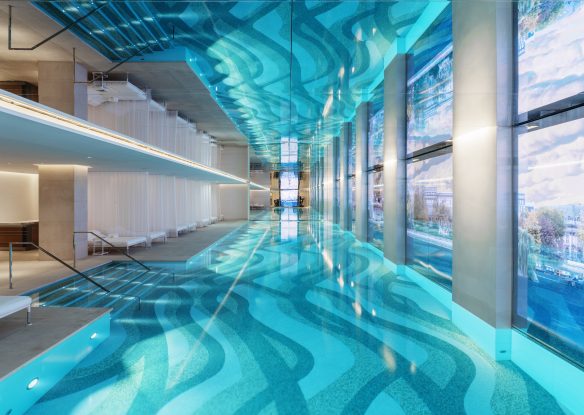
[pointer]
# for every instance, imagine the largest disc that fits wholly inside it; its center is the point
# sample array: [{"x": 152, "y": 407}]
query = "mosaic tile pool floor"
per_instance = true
[{"x": 290, "y": 317}]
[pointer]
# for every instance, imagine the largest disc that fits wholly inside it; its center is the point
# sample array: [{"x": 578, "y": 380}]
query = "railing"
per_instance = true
[
  {"x": 72, "y": 268},
  {"x": 88, "y": 278},
  {"x": 110, "y": 244}
]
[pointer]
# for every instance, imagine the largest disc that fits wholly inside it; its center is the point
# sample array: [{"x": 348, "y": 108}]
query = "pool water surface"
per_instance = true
[{"x": 291, "y": 317}]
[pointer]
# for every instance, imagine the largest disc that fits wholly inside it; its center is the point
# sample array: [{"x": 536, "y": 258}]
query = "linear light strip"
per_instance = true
[
  {"x": 116, "y": 139},
  {"x": 259, "y": 186}
]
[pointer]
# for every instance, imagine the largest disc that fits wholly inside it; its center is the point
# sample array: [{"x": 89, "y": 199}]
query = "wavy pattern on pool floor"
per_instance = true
[{"x": 310, "y": 324}]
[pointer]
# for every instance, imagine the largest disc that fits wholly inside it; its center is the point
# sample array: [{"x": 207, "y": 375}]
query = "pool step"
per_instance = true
[
  {"x": 127, "y": 284},
  {"x": 132, "y": 293},
  {"x": 76, "y": 289}
]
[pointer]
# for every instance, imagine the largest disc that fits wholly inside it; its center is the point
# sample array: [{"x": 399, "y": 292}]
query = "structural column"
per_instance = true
[
  {"x": 335, "y": 176},
  {"x": 394, "y": 168},
  {"x": 234, "y": 198},
  {"x": 482, "y": 170},
  {"x": 361, "y": 172},
  {"x": 63, "y": 210},
  {"x": 58, "y": 90},
  {"x": 343, "y": 172},
  {"x": 328, "y": 183}
]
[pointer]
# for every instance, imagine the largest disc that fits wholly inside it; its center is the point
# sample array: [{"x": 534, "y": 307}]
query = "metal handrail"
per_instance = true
[
  {"x": 110, "y": 244},
  {"x": 56, "y": 259}
]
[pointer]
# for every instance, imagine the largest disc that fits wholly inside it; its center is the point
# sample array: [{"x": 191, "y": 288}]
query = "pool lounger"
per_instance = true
[
  {"x": 118, "y": 242},
  {"x": 156, "y": 236},
  {"x": 183, "y": 228},
  {"x": 13, "y": 304}
]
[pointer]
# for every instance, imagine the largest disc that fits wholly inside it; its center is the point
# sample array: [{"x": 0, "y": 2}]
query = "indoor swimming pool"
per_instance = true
[{"x": 290, "y": 316}]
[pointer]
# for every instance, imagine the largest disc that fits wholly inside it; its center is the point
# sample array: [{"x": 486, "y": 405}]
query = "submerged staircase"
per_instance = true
[{"x": 127, "y": 283}]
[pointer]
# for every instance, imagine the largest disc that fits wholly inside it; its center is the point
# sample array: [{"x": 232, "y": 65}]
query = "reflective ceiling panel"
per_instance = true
[{"x": 294, "y": 69}]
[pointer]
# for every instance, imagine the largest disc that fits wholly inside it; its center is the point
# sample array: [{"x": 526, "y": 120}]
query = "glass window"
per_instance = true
[
  {"x": 550, "y": 236},
  {"x": 429, "y": 218},
  {"x": 352, "y": 202},
  {"x": 430, "y": 87},
  {"x": 375, "y": 131},
  {"x": 550, "y": 55},
  {"x": 352, "y": 153},
  {"x": 288, "y": 188},
  {"x": 351, "y": 162},
  {"x": 375, "y": 169},
  {"x": 289, "y": 150},
  {"x": 375, "y": 208},
  {"x": 337, "y": 180}
]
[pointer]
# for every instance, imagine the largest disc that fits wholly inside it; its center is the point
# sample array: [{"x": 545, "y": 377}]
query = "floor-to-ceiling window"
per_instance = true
[
  {"x": 289, "y": 175},
  {"x": 549, "y": 180},
  {"x": 351, "y": 163},
  {"x": 429, "y": 216},
  {"x": 375, "y": 169},
  {"x": 429, "y": 138},
  {"x": 288, "y": 188},
  {"x": 336, "y": 180}
]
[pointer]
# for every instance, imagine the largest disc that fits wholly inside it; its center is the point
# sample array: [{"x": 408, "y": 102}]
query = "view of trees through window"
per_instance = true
[
  {"x": 550, "y": 236},
  {"x": 430, "y": 86},
  {"x": 429, "y": 217},
  {"x": 549, "y": 202}
]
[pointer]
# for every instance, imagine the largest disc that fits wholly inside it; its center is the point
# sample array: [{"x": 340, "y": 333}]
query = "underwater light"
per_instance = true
[
  {"x": 93, "y": 336},
  {"x": 32, "y": 383}
]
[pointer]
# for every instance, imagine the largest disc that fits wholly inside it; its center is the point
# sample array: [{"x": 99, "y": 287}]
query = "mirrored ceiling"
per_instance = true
[{"x": 279, "y": 69}]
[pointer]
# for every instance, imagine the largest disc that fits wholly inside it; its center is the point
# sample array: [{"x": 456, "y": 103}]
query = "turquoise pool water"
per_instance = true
[{"x": 290, "y": 317}]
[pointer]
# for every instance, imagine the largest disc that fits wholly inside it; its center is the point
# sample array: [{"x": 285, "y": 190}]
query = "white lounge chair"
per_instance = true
[
  {"x": 182, "y": 229},
  {"x": 116, "y": 241},
  {"x": 13, "y": 304},
  {"x": 156, "y": 236}
]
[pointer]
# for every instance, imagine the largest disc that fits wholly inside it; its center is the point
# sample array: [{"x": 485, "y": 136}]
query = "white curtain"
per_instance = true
[
  {"x": 215, "y": 201},
  {"x": 151, "y": 122},
  {"x": 118, "y": 203},
  {"x": 104, "y": 115},
  {"x": 181, "y": 201},
  {"x": 130, "y": 204},
  {"x": 162, "y": 205},
  {"x": 157, "y": 120},
  {"x": 132, "y": 119}
]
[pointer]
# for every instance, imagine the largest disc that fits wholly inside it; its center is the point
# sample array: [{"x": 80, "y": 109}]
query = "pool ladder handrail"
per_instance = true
[
  {"x": 56, "y": 258},
  {"x": 110, "y": 244}
]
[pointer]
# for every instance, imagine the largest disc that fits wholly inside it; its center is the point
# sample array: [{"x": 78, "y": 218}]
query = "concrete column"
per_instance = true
[
  {"x": 329, "y": 200},
  {"x": 394, "y": 166},
  {"x": 321, "y": 186},
  {"x": 482, "y": 170},
  {"x": 335, "y": 176},
  {"x": 234, "y": 198},
  {"x": 57, "y": 90},
  {"x": 63, "y": 209},
  {"x": 361, "y": 172},
  {"x": 344, "y": 169}
]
